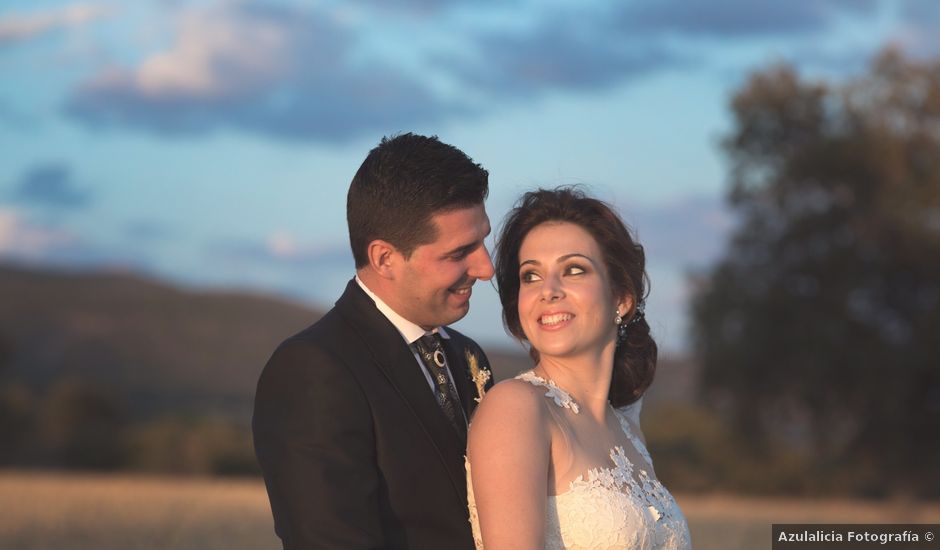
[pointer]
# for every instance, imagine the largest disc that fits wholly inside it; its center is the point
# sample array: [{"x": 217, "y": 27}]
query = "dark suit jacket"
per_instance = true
[{"x": 356, "y": 452}]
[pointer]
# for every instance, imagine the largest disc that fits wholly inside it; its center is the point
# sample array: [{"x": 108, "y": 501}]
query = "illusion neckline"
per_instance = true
[
  {"x": 616, "y": 453},
  {"x": 562, "y": 398}
]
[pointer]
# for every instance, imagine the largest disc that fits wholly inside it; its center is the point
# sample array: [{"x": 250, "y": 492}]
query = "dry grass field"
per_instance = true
[{"x": 45, "y": 511}]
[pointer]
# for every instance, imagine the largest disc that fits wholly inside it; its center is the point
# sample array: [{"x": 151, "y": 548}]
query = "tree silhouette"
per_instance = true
[
  {"x": 16, "y": 422},
  {"x": 6, "y": 352},
  {"x": 819, "y": 332},
  {"x": 82, "y": 426}
]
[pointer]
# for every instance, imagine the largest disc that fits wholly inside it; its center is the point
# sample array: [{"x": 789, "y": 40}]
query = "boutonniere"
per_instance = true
[{"x": 479, "y": 376}]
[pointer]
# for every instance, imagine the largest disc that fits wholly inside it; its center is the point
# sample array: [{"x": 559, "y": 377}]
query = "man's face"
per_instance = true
[{"x": 433, "y": 286}]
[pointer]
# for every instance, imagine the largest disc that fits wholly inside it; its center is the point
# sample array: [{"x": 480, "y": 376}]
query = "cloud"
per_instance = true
[
  {"x": 926, "y": 10},
  {"x": 50, "y": 185},
  {"x": 18, "y": 28},
  {"x": 284, "y": 73},
  {"x": 420, "y": 7},
  {"x": 283, "y": 249},
  {"x": 306, "y": 74},
  {"x": 51, "y": 243},
  {"x": 556, "y": 55},
  {"x": 148, "y": 231},
  {"x": 738, "y": 18},
  {"x": 22, "y": 239},
  {"x": 918, "y": 33}
]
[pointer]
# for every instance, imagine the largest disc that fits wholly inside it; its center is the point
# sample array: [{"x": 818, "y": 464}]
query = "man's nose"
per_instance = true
[{"x": 481, "y": 266}]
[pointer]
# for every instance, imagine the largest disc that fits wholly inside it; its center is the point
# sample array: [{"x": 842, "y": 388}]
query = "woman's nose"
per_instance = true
[{"x": 551, "y": 290}]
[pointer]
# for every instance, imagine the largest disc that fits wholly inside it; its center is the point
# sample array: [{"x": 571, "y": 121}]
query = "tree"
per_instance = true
[
  {"x": 82, "y": 426},
  {"x": 6, "y": 351},
  {"x": 819, "y": 331},
  {"x": 16, "y": 411}
]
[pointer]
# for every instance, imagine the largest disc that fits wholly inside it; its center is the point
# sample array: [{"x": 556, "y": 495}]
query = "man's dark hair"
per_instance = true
[{"x": 401, "y": 185}]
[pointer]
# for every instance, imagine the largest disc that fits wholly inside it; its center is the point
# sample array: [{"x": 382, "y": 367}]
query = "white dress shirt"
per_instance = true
[{"x": 410, "y": 332}]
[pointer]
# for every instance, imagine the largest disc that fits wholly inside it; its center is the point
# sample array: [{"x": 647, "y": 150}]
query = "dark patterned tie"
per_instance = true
[{"x": 430, "y": 349}]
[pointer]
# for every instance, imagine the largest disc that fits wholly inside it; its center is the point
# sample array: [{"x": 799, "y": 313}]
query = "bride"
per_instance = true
[{"x": 556, "y": 458}]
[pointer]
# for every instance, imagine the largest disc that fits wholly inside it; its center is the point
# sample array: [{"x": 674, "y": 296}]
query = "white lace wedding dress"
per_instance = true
[{"x": 618, "y": 505}]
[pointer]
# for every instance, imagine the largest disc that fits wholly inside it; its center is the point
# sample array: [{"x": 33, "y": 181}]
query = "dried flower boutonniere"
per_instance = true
[{"x": 479, "y": 376}]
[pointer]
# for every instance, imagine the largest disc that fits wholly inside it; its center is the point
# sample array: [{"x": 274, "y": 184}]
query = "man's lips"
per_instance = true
[{"x": 462, "y": 290}]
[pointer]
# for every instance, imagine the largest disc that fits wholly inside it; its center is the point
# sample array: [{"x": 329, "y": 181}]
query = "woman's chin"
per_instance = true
[
  {"x": 567, "y": 348},
  {"x": 555, "y": 349}
]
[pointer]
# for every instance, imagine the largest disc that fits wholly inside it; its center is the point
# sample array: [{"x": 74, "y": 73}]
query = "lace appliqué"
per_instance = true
[
  {"x": 616, "y": 507},
  {"x": 560, "y": 396},
  {"x": 620, "y": 478}
]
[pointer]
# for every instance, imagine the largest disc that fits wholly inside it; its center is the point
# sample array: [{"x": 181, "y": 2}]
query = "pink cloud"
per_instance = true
[
  {"x": 21, "y": 238},
  {"x": 20, "y": 27}
]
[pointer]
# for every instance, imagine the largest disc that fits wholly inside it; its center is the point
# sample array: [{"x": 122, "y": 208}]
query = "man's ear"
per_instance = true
[{"x": 383, "y": 258}]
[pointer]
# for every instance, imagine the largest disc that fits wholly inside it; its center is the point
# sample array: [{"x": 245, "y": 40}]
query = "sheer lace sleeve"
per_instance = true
[{"x": 632, "y": 411}]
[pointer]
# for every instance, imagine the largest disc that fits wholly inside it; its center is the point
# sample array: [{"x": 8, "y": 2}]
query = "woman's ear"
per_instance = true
[{"x": 625, "y": 305}]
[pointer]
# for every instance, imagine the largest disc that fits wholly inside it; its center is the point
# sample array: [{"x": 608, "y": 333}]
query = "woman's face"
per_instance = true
[{"x": 566, "y": 304}]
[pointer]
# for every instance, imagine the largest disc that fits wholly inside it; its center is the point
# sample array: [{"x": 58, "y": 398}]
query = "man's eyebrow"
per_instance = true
[
  {"x": 463, "y": 249},
  {"x": 468, "y": 248}
]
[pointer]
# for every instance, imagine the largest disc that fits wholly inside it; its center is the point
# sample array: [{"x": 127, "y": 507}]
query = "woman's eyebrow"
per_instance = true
[{"x": 559, "y": 260}]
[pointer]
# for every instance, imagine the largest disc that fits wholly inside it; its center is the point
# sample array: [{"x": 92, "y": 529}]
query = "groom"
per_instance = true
[{"x": 360, "y": 420}]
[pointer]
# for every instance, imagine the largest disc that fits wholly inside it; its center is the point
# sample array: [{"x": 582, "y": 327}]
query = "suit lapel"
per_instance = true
[
  {"x": 395, "y": 360},
  {"x": 457, "y": 361}
]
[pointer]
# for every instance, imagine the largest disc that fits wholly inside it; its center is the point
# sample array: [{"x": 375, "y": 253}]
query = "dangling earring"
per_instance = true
[{"x": 621, "y": 328}]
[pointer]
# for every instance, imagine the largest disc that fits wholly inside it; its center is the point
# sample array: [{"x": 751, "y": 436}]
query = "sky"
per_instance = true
[{"x": 211, "y": 143}]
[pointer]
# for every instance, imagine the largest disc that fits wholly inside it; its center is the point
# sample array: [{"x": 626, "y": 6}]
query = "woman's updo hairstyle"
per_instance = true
[{"x": 635, "y": 358}]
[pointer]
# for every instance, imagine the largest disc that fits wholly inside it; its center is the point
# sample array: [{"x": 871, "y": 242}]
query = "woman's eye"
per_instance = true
[
  {"x": 574, "y": 270},
  {"x": 529, "y": 276}
]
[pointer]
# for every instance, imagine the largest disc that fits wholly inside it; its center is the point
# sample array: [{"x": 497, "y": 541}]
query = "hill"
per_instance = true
[
  {"x": 162, "y": 346},
  {"x": 156, "y": 345},
  {"x": 114, "y": 370}
]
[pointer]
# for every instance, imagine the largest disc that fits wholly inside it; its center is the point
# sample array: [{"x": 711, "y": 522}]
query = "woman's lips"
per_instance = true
[{"x": 555, "y": 319}]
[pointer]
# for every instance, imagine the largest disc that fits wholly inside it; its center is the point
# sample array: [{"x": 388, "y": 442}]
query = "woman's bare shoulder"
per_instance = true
[
  {"x": 514, "y": 394},
  {"x": 513, "y": 405}
]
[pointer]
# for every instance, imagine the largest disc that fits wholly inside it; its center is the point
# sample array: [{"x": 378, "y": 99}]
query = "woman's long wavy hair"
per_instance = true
[{"x": 635, "y": 358}]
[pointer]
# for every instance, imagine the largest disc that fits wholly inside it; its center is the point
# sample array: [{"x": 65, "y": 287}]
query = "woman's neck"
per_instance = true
[{"x": 586, "y": 378}]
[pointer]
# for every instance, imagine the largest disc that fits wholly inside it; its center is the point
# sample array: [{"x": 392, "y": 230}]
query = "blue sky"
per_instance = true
[{"x": 211, "y": 143}]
